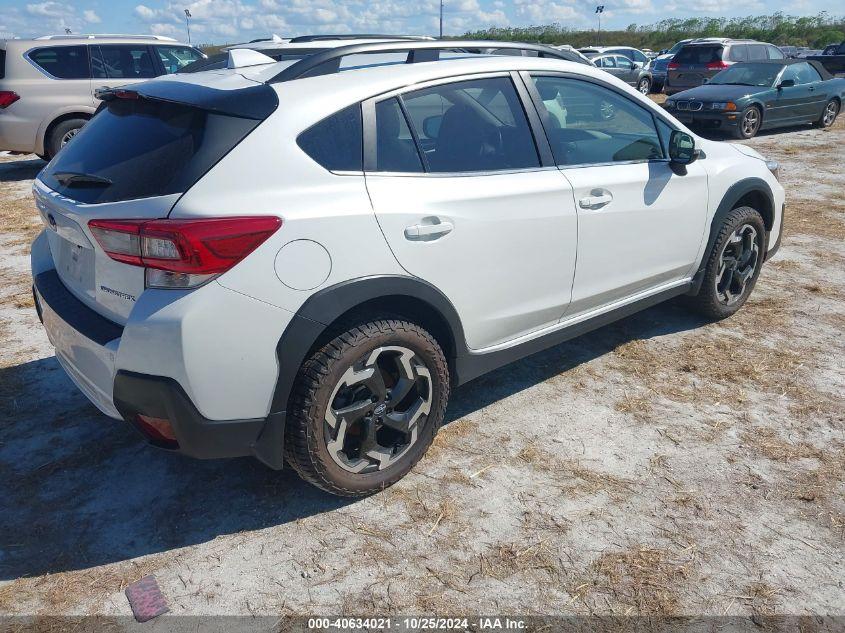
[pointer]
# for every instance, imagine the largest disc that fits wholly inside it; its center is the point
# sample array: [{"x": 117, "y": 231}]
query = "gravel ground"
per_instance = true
[{"x": 661, "y": 465}]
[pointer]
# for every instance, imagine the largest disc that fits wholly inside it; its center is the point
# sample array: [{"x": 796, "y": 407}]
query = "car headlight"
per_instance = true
[
  {"x": 670, "y": 103},
  {"x": 724, "y": 105},
  {"x": 774, "y": 167}
]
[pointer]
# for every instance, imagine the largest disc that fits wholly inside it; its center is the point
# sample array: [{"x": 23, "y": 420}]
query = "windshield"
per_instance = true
[
  {"x": 699, "y": 55},
  {"x": 748, "y": 74}
]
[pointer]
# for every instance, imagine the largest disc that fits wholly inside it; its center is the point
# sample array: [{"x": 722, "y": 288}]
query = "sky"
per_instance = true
[{"x": 226, "y": 21}]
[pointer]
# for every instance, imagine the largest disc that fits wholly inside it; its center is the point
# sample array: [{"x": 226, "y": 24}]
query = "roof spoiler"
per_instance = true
[{"x": 328, "y": 62}]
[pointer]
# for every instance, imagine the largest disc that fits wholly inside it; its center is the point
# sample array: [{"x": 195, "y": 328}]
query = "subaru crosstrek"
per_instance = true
[{"x": 298, "y": 260}]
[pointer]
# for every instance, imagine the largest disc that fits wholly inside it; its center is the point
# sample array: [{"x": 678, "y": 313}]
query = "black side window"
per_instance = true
[
  {"x": 476, "y": 125},
  {"x": 2, "y": 63},
  {"x": 62, "y": 62},
  {"x": 395, "y": 146},
  {"x": 336, "y": 142},
  {"x": 123, "y": 61}
]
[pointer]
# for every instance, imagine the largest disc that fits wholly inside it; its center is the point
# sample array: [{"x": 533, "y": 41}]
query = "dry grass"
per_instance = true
[
  {"x": 504, "y": 560},
  {"x": 637, "y": 581},
  {"x": 572, "y": 477},
  {"x": 818, "y": 218},
  {"x": 86, "y": 587}
]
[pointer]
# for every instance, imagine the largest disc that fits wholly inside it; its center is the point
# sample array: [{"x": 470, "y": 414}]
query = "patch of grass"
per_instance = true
[{"x": 637, "y": 581}]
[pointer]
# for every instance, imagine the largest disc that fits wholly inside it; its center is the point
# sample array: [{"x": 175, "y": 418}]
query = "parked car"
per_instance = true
[
  {"x": 48, "y": 85},
  {"x": 634, "y": 54},
  {"x": 753, "y": 96},
  {"x": 294, "y": 49},
  {"x": 620, "y": 66},
  {"x": 659, "y": 65},
  {"x": 299, "y": 260},
  {"x": 577, "y": 55},
  {"x": 832, "y": 58},
  {"x": 699, "y": 61}
]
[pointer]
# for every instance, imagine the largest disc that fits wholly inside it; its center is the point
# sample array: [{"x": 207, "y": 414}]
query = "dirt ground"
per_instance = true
[{"x": 661, "y": 465}]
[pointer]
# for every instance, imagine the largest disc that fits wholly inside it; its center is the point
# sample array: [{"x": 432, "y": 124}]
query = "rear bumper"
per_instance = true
[
  {"x": 196, "y": 436},
  {"x": 85, "y": 342},
  {"x": 17, "y": 133},
  {"x": 86, "y": 346}
]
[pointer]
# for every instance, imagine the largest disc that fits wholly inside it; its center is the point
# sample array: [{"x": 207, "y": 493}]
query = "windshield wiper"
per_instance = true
[
  {"x": 731, "y": 83},
  {"x": 72, "y": 178}
]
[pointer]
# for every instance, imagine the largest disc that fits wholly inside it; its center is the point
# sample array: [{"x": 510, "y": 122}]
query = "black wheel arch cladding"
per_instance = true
[{"x": 748, "y": 188}]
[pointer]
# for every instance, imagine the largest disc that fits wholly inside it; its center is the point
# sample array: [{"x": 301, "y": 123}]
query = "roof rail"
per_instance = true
[
  {"x": 358, "y": 36},
  {"x": 106, "y": 36},
  {"x": 328, "y": 62}
]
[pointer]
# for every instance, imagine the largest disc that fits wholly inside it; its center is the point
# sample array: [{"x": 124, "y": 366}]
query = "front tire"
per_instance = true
[
  {"x": 749, "y": 123},
  {"x": 644, "y": 85},
  {"x": 733, "y": 265},
  {"x": 829, "y": 114},
  {"x": 366, "y": 406}
]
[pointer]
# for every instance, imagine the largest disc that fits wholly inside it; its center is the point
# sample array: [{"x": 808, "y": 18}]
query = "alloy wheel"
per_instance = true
[
  {"x": 644, "y": 86},
  {"x": 737, "y": 264},
  {"x": 375, "y": 410},
  {"x": 830, "y": 113},
  {"x": 750, "y": 122},
  {"x": 68, "y": 135}
]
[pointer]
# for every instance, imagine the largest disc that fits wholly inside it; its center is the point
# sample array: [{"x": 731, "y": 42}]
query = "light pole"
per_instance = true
[
  {"x": 188, "y": 24},
  {"x": 68, "y": 31},
  {"x": 599, "y": 11},
  {"x": 441, "y": 19}
]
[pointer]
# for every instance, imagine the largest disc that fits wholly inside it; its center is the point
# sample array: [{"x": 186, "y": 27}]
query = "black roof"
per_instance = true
[{"x": 789, "y": 62}]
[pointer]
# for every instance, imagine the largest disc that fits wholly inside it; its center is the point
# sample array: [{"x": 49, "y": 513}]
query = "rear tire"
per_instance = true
[
  {"x": 61, "y": 134},
  {"x": 366, "y": 406},
  {"x": 829, "y": 114},
  {"x": 733, "y": 265}
]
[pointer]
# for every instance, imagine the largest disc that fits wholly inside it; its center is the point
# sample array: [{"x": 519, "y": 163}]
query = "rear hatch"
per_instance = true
[
  {"x": 143, "y": 149},
  {"x": 695, "y": 63}
]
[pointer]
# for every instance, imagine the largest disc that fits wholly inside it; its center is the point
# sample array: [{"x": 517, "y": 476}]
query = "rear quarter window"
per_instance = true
[
  {"x": 62, "y": 62},
  {"x": 2, "y": 63},
  {"x": 336, "y": 142}
]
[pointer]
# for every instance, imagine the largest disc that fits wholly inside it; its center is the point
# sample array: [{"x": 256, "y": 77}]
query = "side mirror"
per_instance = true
[
  {"x": 637, "y": 65},
  {"x": 682, "y": 149},
  {"x": 786, "y": 83},
  {"x": 431, "y": 126}
]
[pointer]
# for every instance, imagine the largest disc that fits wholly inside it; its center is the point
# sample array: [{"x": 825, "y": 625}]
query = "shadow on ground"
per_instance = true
[
  {"x": 84, "y": 490},
  {"x": 716, "y": 135},
  {"x": 18, "y": 170}
]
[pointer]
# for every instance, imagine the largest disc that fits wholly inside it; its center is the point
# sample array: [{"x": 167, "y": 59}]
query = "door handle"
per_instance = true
[
  {"x": 428, "y": 232},
  {"x": 595, "y": 202}
]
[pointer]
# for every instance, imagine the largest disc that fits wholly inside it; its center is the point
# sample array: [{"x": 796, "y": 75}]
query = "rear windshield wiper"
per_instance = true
[{"x": 72, "y": 178}]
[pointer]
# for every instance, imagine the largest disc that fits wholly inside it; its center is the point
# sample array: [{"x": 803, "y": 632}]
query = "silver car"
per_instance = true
[{"x": 48, "y": 85}]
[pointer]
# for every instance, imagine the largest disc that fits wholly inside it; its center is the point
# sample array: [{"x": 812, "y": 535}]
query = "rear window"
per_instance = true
[
  {"x": 698, "y": 55},
  {"x": 142, "y": 148},
  {"x": 62, "y": 62}
]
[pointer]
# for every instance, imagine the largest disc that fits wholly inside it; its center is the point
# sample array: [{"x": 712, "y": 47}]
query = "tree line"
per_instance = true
[{"x": 814, "y": 31}]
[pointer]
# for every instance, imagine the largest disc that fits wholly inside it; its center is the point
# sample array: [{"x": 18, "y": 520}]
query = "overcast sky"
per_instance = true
[{"x": 221, "y": 21}]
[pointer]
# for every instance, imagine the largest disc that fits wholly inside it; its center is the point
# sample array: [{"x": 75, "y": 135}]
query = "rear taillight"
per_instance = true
[
  {"x": 7, "y": 98},
  {"x": 182, "y": 253},
  {"x": 673, "y": 66},
  {"x": 720, "y": 65}
]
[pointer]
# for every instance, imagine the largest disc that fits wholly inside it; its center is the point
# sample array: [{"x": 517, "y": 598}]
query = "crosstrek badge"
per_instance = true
[{"x": 117, "y": 293}]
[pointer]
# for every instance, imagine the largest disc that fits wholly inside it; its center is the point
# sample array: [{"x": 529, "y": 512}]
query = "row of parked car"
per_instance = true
[{"x": 48, "y": 86}]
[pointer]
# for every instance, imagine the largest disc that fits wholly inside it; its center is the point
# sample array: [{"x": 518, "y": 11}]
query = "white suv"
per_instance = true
[{"x": 294, "y": 262}]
